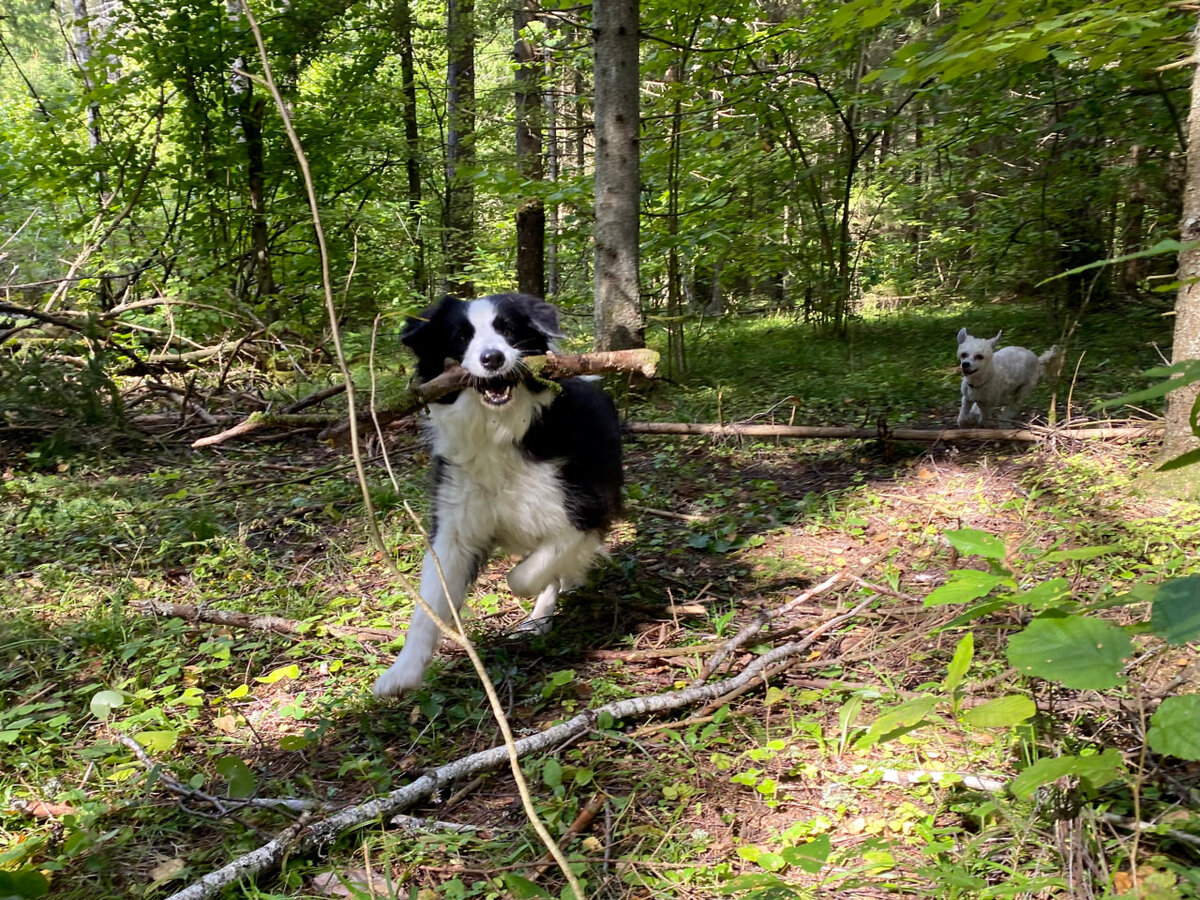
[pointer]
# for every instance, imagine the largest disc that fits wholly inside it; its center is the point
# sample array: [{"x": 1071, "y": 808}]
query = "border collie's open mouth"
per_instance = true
[{"x": 495, "y": 391}]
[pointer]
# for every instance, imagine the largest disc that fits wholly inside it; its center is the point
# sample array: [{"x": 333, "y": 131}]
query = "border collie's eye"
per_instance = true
[{"x": 503, "y": 328}]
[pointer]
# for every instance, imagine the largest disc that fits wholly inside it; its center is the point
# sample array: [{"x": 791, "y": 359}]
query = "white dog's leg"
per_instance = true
[
  {"x": 458, "y": 568},
  {"x": 964, "y": 412}
]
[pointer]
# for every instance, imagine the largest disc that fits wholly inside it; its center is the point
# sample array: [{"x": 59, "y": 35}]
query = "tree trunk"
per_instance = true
[
  {"x": 250, "y": 117},
  {"x": 1178, "y": 437},
  {"x": 402, "y": 26},
  {"x": 550, "y": 115},
  {"x": 531, "y": 214},
  {"x": 618, "y": 316},
  {"x": 458, "y": 231}
]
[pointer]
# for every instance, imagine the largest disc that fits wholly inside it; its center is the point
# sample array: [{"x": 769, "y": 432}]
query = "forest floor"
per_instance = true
[{"x": 821, "y": 780}]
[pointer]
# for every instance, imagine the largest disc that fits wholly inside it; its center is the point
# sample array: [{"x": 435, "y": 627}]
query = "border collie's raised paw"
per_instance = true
[{"x": 516, "y": 465}]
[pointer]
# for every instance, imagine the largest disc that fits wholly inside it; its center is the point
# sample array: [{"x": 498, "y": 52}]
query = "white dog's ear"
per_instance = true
[
  {"x": 996, "y": 339},
  {"x": 962, "y": 335}
]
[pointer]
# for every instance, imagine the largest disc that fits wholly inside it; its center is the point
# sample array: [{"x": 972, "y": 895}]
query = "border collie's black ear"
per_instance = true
[
  {"x": 544, "y": 317},
  {"x": 410, "y": 336}
]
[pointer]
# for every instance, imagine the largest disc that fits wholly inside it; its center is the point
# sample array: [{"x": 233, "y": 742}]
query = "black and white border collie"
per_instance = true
[{"x": 516, "y": 465}]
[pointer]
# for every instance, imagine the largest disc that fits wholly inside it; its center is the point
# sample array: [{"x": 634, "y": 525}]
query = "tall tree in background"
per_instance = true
[
  {"x": 402, "y": 26},
  {"x": 458, "y": 225},
  {"x": 531, "y": 214},
  {"x": 1178, "y": 437},
  {"x": 618, "y": 315}
]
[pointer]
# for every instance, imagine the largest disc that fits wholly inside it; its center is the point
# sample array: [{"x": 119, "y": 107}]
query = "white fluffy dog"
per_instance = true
[{"x": 996, "y": 383}]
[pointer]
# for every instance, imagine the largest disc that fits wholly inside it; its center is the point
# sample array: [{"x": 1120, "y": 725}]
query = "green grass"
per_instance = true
[{"x": 779, "y": 793}]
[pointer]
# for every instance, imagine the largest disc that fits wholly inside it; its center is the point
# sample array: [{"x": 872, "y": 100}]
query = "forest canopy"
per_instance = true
[{"x": 815, "y": 158}]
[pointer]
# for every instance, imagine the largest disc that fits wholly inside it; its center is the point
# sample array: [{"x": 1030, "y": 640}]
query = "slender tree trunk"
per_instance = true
[
  {"x": 618, "y": 316},
  {"x": 250, "y": 117},
  {"x": 550, "y": 115},
  {"x": 402, "y": 25},
  {"x": 1178, "y": 437},
  {"x": 531, "y": 214},
  {"x": 1133, "y": 231},
  {"x": 458, "y": 236}
]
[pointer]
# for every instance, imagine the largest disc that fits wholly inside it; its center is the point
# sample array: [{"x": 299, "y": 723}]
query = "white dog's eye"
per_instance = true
[{"x": 979, "y": 356}]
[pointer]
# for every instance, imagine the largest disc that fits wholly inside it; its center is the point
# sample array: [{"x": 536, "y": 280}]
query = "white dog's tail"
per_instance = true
[{"x": 1051, "y": 362}]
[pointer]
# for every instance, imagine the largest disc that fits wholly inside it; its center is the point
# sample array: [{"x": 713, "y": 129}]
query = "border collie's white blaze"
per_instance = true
[{"x": 515, "y": 466}]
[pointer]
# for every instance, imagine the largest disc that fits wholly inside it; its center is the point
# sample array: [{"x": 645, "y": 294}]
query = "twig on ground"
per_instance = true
[
  {"x": 582, "y": 822},
  {"x": 275, "y": 624},
  {"x": 989, "y": 783},
  {"x": 750, "y": 631},
  {"x": 666, "y": 513},
  {"x": 223, "y": 805}
]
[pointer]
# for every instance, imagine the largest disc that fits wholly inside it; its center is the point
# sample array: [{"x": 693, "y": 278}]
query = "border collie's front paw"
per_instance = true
[
  {"x": 398, "y": 680},
  {"x": 534, "y": 627}
]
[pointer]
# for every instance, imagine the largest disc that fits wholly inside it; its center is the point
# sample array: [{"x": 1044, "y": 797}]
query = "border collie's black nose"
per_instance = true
[{"x": 491, "y": 359}]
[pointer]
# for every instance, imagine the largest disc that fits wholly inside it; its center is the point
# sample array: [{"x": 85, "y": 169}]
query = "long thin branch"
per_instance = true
[
  {"x": 323, "y": 832},
  {"x": 455, "y": 378},
  {"x": 927, "y": 435}
]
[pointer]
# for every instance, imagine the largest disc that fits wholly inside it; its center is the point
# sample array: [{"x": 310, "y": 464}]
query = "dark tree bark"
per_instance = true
[
  {"x": 402, "y": 26},
  {"x": 250, "y": 117},
  {"x": 458, "y": 235},
  {"x": 618, "y": 315},
  {"x": 550, "y": 116},
  {"x": 531, "y": 214}
]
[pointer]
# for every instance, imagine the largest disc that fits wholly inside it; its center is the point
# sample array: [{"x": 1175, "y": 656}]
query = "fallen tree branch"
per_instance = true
[
  {"x": 455, "y": 378},
  {"x": 274, "y": 624},
  {"x": 1030, "y": 435},
  {"x": 322, "y": 832}
]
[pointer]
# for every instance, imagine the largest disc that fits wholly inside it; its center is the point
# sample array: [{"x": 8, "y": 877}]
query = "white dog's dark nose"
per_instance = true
[{"x": 491, "y": 359}]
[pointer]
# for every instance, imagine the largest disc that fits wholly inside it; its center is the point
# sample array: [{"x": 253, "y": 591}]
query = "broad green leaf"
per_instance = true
[
  {"x": 104, "y": 702},
  {"x": 1076, "y": 651},
  {"x": 810, "y": 857},
  {"x": 1175, "y": 615},
  {"x": 23, "y": 884},
  {"x": 1182, "y": 461},
  {"x": 976, "y": 543},
  {"x": 963, "y": 654},
  {"x": 291, "y": 671},
  {"x": 241, "y": 780},
  {"x": 1175, "y": 727},
  {"x": 1162, "y": 247},
  {"x": 157, "y": 741},
  {"x": 1188, "y": 371},
  {"x": 1077, "y": 553},
  {"x": 904, "y": 717},
  {"x": 966, "y": 585},
  {"x": 1096, "y": 770},
  {"x": 552, "y": 773},
  {"x": 1003, "y": 712},
  {"x": 521, "y": 888},
  {"x": 294, "y": 742},
  {"x": 1048, "y": 593}
]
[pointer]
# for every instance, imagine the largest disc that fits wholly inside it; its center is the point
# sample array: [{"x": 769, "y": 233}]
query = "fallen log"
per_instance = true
[
  {"x": 1029, "y": 434},
  {"x": 455, "y": 378}
]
